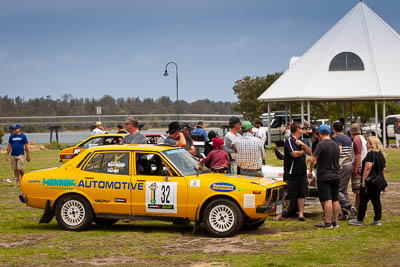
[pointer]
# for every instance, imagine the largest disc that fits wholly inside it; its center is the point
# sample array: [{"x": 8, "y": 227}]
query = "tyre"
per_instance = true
[
  {"x": 74, "y": 213},
  {"x": 104, "y": 221},
  {"x": 222, "y": 218}
]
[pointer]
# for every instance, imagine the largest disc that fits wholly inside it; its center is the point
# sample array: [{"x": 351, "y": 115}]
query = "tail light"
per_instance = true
[{"x": 67, "y": 156}]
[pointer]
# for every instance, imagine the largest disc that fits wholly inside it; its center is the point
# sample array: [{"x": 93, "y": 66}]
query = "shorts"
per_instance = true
[
  {"x": 17, "y": 162},
  {"x": 355, "y": 183},
  {"x": 328, "y": 190},
  {"x": 297, "y": 185}
]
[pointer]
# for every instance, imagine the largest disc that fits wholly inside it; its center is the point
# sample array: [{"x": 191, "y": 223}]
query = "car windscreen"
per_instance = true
[{"x": 184, "y": 161}]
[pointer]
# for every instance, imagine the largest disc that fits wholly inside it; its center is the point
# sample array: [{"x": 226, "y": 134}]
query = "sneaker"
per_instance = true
[
  {"x": 324, "y": 225},
  {"x": 377, "y": 223},
  {"x": 335, "y": 225},
  {"x": 353, "y": 212},
  {"x": 343, "y": 217},
  {"x": 356, "y": 222}
]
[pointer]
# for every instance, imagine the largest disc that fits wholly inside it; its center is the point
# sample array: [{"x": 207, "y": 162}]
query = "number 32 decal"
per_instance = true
[{"x": 161, "y": 197}]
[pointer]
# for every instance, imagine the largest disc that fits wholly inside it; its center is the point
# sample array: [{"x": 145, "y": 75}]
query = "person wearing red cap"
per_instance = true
[{"x": 218, "y": 158}]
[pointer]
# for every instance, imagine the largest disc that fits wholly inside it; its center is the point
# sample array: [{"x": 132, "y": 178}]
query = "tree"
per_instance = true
[{"x": 248, "y": 90}]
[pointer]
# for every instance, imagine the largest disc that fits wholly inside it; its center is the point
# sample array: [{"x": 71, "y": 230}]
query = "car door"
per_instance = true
[
  {"x": 160, "y": 191},
  {"x": 106, "y": 179}
]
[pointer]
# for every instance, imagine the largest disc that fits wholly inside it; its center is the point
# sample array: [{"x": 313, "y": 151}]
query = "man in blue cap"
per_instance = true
[
  {"x": 16, "y": 144},
  {"x": 327, "y": 154}
]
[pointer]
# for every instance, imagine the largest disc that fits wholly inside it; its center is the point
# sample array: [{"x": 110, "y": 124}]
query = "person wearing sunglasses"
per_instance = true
[{"x": 134, "y": 135}]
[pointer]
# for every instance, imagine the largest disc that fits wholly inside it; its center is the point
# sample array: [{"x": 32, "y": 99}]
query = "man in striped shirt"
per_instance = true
[
  {"x": 250, "y": 152},
  {"x": 345, "y": 167}
]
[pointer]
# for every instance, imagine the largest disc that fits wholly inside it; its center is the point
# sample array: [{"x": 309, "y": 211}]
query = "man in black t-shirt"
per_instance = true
[
  {"x": 295, "y": 169},
  {"x": 327, "y": 154}
]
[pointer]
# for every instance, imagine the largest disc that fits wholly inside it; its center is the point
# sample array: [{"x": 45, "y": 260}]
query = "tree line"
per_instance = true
[{"x": 68, "y": 105}]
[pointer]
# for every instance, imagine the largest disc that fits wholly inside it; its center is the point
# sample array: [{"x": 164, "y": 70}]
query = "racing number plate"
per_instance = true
[{"x": 279, "y": 209}]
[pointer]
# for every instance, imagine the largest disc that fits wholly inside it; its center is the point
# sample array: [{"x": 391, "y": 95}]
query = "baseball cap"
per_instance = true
[
  {"x": 246, "y": 125},
  {"x": 324, "y": 129},
  {"x": 16, "y": 126},
  {"x": 186, "y": 126}
]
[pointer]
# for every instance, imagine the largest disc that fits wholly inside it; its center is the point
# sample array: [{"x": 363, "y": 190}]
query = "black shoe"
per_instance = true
[
  {"x": 335, "y": 225},
  {"x": 324, "y": 225}
]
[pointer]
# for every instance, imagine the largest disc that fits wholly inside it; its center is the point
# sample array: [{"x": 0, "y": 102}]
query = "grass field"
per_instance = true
[{"x": 288, "y": 243}]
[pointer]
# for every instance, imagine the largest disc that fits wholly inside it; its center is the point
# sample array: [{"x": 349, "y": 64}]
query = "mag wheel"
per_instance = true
[
  {"x": 223, "y": 218},
  {"x": 74, "y": 213}
]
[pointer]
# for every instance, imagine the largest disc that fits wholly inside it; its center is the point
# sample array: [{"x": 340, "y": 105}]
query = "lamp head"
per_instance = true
[{"x": 166, "y": 73}]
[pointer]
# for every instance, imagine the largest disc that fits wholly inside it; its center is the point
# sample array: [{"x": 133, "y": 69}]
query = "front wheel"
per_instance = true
[
  {"x": 74, "y": 213},
  {"x": 223, "y": 218}
]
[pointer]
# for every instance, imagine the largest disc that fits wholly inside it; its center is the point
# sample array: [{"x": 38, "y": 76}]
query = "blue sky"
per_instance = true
[{"x": 89, "y": 48}]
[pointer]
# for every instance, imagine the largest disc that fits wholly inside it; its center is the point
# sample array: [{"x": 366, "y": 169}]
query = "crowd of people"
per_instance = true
[{"x": 337, "y": 159}]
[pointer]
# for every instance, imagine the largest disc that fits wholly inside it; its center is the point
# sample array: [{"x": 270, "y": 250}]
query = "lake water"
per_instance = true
[{"x": 65, "y": 137}]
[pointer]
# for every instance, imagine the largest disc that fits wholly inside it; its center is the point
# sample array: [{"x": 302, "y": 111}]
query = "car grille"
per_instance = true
[{"x": 277, "y": 193}]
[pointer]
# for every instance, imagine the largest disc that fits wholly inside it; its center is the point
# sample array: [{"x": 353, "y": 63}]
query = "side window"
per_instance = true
[
  {"x": 152, "y": 164},
  {"x": 112, "y": 140},
  {"x": 98, "y": 141},
  {"x": 110, "y": 163}
]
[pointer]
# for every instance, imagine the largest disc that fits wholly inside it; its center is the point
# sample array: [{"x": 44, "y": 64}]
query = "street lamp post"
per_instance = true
[{"x": 177, "y": 98}]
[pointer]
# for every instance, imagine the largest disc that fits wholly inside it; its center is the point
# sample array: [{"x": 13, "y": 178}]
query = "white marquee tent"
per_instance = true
[{"x": 357, "y": 59}]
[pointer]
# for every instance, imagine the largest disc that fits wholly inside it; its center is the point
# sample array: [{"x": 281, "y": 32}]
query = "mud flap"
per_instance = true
[
  {"x": 48, "y": 213},
  {"x": 197, "y": 223}
]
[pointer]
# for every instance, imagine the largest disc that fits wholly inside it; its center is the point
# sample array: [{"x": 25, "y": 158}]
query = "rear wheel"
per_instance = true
[
  {"x": 74, "y": 213},
  {"x": 105, "y": 221},
  {"x": 223, "y": 218}
]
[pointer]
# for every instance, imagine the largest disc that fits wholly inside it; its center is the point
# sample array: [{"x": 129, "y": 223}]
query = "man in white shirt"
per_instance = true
[
  {"x": 260, "y": 133},
  {"x": 99, "y": 129}
]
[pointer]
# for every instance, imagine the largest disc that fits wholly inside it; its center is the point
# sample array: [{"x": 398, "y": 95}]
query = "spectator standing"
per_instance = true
[
  {"x": 121, "y": 129},
  {"x": 358, "y": 152},
  {"x": 327, "y": 154},
  {"x": 135, "y": 136},
  {"x": 230, "y": 140},
  {"x": 295, "y": 169},
  {"x": 374, "y": 162},
  {"x": 260, "y": 134},
  {"x": 17, "y": 142},
  {"x": 175, "y": 136},
  {"x": 307, "y": 134},
  {"x": 99, "y": 129},
  {"x": 387, "y": 135},
  {"x": 285, "y": 130},
  {"x": 345, "y": 167},
  {"x": 208, "y": 145},
  {"x": 218, "y": 158},
  {"x": 250, "y": 152},
  {"x": 189, "y": 147},
  {"x": 199, "y": 134},
  {"x": 397, "y": 132}
]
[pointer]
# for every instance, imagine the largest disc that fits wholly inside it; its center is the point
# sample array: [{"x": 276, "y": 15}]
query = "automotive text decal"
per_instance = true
[
  {"x": 111, "y": 185},
  {"x": 222, "y": 187}
]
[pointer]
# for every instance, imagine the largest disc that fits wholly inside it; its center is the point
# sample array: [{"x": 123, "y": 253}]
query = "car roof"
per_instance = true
[
  {"x": 106, "y": 135},
  {"x": 129, "y": 147}
]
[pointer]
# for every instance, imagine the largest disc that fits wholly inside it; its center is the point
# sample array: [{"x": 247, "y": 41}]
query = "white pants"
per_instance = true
[{"x": 397, "y": 136}]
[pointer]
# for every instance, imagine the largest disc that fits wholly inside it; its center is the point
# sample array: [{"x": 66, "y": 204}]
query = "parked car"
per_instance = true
[
  {"x": 370, "y": 128},
  {"x": 276, "y": 173},
  {"x": 92, "y": 141},
  {"x": 107, "y": 183},
  {"x": 105, "y": 139}
]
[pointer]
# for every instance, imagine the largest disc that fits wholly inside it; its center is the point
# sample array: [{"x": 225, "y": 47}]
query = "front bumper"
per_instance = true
[
  {"x": 270, "y": 208},
  {"x": 23, "y": 198}
]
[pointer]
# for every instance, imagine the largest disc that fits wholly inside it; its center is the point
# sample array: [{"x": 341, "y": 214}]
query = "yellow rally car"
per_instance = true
[
  {"x": 108, "y": 183},
  {"x": 92, "y": 141}
]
